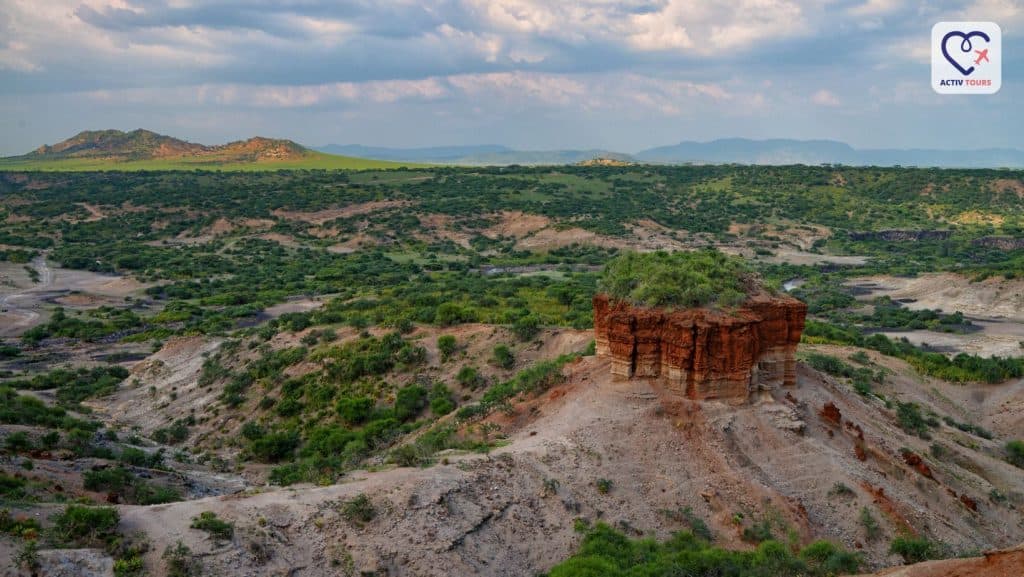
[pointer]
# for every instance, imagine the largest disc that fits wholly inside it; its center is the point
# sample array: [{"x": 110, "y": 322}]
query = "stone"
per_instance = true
[{"x": 703, "y": 353}]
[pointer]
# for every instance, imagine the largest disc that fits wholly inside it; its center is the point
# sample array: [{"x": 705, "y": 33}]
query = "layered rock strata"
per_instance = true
[{"x": 703, "y": 353}]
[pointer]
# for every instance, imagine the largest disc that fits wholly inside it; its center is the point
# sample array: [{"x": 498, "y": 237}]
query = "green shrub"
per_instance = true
[
  {"x": 274, "y": 447},
  {"x": 679, "y": 279},
  {"x": 114, "y": 479},
  {"x": 181, "y": 562},
  {"x": 606, "y": 552},
  {"x": 128, "y": 566},
  {"x": 409, "y": 401},
  {"x": 1015, "y": 453},
  {"x": 469, "y": 376},
  {"x": 526, "y": 327},
  {"x": 355, "y": 410},
  {"x": 359, "y": 510},
  {"x": 18, "y": 442},
  {"x": 441, "y": 402},
  {"x": 759, "y": 532},
  {"x": 446, "y": 345},
  {"x": 913, "y": 421},
  {"x": 11, "y": 487},
  {"x": 20, "y": 526},
  {"x": 503, "y": 357},
  {"x": 85, "y": 526},
  {"x": 914, "y": 549},
  {"x": 872, "y": 531},
  {"x": 825, "y": 558},
  {"x": 218, "y": 529}
]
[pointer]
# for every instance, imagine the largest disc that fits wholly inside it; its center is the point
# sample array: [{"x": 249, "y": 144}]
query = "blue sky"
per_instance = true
[{"x": 536, "y": 74}]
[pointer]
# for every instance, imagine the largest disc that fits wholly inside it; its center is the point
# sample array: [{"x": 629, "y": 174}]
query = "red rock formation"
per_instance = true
[
  {"x": 703, "y": 353},
  {"x": 917, "y": 463},
  {"x": 830, "y": 412}
]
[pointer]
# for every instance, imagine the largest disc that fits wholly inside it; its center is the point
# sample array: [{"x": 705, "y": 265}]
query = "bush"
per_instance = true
[
  {"x": 446, "y": 345},
  {"x": 85, "y": 526},
  {"x": 359, "y": 510},
  {"x": 526, "y": 327},
  {"x": 914, "y": 549},
  {"x": 606, "y": 552},
  {"x": 503, "y": 357},
  {"x": 128, "y": 566},
  {"x": 441, "y": 402},
  {"x": 679, "y": 279},
  {"x": 114, "y": 479},
  {"x": 409, "y": 402},
  {"x": 872, "y": 530},
  {"x": 274, "y": 447},
  {"x": 17, "y": 526},
  {"x": 469, "y": 377},
  {"x": 913, "y": 421},
  {"x": 216, "y": 528},
  {"x": 1015, "y": 453},
  {"x": 180, "y": 561},
  {"x": 355, "y": 410}
]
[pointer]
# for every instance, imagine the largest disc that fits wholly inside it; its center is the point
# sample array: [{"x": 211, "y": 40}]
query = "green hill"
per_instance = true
[{"x": 147, "y": 150}]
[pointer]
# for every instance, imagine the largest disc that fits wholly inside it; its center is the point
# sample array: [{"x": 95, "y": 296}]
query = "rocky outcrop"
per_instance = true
[
  {"x": 902, "y": 235},
  {"x": 1000, "y": 242},
  {"x": 703, "y": 353}
]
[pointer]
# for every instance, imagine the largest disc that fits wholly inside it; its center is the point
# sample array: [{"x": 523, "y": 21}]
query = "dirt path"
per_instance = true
[{"x": 19, "y": 317}]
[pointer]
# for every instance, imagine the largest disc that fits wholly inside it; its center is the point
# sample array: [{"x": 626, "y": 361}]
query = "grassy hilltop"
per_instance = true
[{"x": 145, "y": 150}]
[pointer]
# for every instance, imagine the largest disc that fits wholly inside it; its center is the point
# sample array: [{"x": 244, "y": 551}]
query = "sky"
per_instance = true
[{"x": 534, "y": 74}]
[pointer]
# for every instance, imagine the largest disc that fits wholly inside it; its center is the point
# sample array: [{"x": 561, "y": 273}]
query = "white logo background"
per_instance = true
[{"x": 986, "y": 77}]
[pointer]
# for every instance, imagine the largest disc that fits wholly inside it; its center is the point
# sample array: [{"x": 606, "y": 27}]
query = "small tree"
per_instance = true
[
  {"x": 913, "y": 549},
  {"x": 446, "y": 345},
  {"x": 1015, "y": 453},
  {"x": 526, "y": 327},
  {"x": 503, "y": 357}
]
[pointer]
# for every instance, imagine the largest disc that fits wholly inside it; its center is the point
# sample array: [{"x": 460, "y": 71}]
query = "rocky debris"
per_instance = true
[
  {"x": 902, "y": 235},
  {"x": 783, "y": 417},
  {"x": 830, "y": 412},
  {"x": 702, "y": 353},
  {"x": 1002, "y": 563},
  {"x": 1000, "y": 242},
  {"x": 75, "y": 563},
  {"x": 970, "y": 504},
  {"x": 917, "y": 463}
]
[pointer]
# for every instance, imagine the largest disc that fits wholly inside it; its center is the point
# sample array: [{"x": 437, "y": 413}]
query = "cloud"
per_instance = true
[
  {"x": 643, "y": 67},
  {"x": 875, "y": 7},
  {"x": 825, "y": 98}
]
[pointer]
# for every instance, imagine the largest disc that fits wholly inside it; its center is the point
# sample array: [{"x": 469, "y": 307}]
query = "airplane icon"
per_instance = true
[{"x": 982, "y": 55}]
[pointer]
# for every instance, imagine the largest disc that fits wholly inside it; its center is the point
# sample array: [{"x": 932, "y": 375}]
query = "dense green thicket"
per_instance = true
[
  {"x": 607, "y": 553},
  {"x": 961, "y": 368},
  {"x": 75, "y": 385},
  {"x": 680, "y": 279}
]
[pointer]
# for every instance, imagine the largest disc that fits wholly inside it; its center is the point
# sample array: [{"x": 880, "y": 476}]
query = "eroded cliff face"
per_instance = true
[{"x": 702, "y": 353}]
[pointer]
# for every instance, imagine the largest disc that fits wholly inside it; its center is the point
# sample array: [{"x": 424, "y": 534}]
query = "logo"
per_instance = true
[{"x": 967, "y": 58}]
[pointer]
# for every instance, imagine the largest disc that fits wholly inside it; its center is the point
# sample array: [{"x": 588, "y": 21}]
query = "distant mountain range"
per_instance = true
[
  {"x": 146, "y": 150},
  {"x": 480, "y": 155},
  {"x": 729, "y": 150}
]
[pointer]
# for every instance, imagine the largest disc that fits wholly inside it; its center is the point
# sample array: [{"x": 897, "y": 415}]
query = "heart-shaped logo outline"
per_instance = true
[{"x": 965, "y": 46}]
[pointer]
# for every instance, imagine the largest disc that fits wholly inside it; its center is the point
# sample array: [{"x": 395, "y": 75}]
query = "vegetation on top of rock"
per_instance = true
[{"x": 678, "y": 279}]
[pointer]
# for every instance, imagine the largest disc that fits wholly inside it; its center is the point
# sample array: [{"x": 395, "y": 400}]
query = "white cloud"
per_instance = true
[
  {"x": 825, "y": 98},
  {"x": 875, "y": 7},
  {"x": 668, "y": 25}
]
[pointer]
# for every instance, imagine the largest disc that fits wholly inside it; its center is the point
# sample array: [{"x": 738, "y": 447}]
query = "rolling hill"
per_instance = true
[{"x": 146, "y": 150}]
